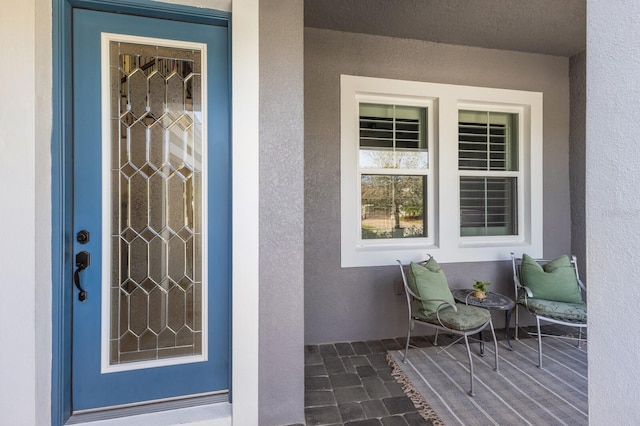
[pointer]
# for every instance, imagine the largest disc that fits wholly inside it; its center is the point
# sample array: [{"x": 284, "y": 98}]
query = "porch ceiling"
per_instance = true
[{"x": 549, "y": 27}]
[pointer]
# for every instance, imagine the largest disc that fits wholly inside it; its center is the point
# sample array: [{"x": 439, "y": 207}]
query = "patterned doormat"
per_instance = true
[{"x": 521, "y": 393}]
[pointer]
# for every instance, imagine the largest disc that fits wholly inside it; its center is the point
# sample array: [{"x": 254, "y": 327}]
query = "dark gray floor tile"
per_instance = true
[
  {"x": 422, "y": 341},
  {"x": 375, "y": 388},
  {"x": 345, "y": 380},
  {"x": 374, "y": 409},
  {"x": 354, "y": 394},
  {"x": 360, "y": 348},
  {"x": 322, "y": 415},
  {"x": 394, "y": 388},
  {"x": 366, "y": 371},
  {"x": 315, "y": 370},
  {"x": 391, "y": 344},
  {"x": 319, "y": 398},
  {"x": 368, "y": 422},
  {"x": 399, "y": 405},
  {"x": 376, "y": 346},
  {"x": 351, "y": 411},
  {"x": 378, "y": 360},
  {"x": 328, "y": 351},
  {"x": 345, "y": 349},
  {"x": 348, "y": 365},
  {"x": 311, "y": 349},
  {"x": 385, "y": 375},
  {"x": 334, "y": 366},
  {"x": 415, "y": 419},
  {"x": 402, "y": 341},
  {"x": 394, "y": 421},
  {"x": 312, "y": 358},
  {"x": 317, "y": 383},
  {"x": 359, "y": 360}
]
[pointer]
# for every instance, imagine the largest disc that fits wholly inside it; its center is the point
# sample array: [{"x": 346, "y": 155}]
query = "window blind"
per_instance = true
[
  {"x": 391, "y": 126},
  {"x": 486, "y": 141},
  {"x": 487, "y": 144}
]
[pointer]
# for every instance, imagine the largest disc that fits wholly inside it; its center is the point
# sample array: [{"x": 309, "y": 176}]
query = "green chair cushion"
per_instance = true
[
  {"x": 429, "y": 282},
  {"x": 466, "y": 318},
  {"x": 555, "y": 281},
  {"x": 560, "y": 310}
]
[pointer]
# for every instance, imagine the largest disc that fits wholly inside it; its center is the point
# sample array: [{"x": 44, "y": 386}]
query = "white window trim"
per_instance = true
[{"x": 443, "y": 102}]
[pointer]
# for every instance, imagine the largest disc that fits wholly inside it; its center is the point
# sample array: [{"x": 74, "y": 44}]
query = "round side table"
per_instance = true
[{"x": 492, "y": 301}]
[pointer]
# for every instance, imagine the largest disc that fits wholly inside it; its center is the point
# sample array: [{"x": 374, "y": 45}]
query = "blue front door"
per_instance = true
[{"x": 151, "y": 210}]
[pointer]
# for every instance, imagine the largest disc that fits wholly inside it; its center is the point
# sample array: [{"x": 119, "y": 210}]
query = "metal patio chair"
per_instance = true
[
  {"x": 455, "y": 318},
  {"x": 568, "y": 313}
]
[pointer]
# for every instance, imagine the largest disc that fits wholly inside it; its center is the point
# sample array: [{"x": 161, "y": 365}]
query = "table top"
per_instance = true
[{"x": 491, "y": 300}]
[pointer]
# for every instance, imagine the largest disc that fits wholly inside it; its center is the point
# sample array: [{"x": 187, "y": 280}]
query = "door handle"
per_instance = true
[{"x": 83, "y": 259}]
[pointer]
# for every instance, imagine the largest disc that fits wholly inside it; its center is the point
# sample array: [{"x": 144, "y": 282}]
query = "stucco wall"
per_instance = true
[
  {"x": 613, "y": 209},
  {"x": 281, "y": 212},
  {"x": 359, "y": 303},
  {"x": 577, "y": 150}
]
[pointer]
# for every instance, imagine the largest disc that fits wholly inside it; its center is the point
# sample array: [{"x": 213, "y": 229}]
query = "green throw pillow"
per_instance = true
[
  {"x": 430, "y": 283},
  {"x": 554, "y": 281},
  {"x": 430, "y": 264}
]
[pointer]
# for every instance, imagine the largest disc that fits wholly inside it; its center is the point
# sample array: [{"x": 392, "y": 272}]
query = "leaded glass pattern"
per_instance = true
[{"x": 156, "y": 202}]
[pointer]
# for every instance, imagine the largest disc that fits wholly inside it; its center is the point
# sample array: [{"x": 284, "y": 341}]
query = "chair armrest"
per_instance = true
[
  {"x": 519, "y": 286},
  {"x": 516, "y": 277},
  {"x": 526, "y": 289},
  {"x": 444, "y": 302}
]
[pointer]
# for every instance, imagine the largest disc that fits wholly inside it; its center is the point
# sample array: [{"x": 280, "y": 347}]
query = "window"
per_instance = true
[
  {"x": 454, "y": 171},
  {"x": 488, "y": 166},
  {"x": 394, "y": 168}
]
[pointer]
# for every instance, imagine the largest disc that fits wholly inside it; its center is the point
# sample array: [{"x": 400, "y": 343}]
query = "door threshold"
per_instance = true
[{"x": 201, "y": 410}]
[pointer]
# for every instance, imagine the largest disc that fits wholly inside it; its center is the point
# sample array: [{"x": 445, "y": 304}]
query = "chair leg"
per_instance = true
[
  {"x": 516, "y": 333},
  {"x": 495, "y": 345},
  {"x": 579, "y": 337},
  {"x": 539, "y": 343},
  {"x": 406, "y": 348},
  {"x": 435, "y": 339},
  {"x": 466, "y": 341}
]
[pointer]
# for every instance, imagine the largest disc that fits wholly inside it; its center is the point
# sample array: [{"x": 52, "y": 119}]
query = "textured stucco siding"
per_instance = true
[
  {"x": 359, "y": 303},
  {"x": 577, "y": 150},
  {"x": 281, "y": 397},
  {"x": 613, "y": 209}
]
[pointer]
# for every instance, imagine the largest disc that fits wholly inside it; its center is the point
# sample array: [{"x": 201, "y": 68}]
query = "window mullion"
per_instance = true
[
  {"x": 488, "y": 135},
  {"x": 486, "y": 203},
  {"x": 393, "y": 133}
]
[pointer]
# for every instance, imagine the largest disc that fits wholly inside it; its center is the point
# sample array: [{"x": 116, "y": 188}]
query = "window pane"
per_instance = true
[
  {"x": 393, "y": 206},
  {"x": 393, "y": 136},
  {"x": 487, "y": 141},
  {"x": 156, "y": 199},
  {"x": 488, "y": 206}
]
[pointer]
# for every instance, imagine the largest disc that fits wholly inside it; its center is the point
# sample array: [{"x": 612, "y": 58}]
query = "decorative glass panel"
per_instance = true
[
  {"x": 488, "y": 206},
  {"x": 393, "y": 206},
  {"x": 156, "y": 198},
  {"x": 393, "y": 137}
]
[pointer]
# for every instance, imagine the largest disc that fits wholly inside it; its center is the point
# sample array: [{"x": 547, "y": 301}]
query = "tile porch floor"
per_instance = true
[{"x": 350, "y": 383}]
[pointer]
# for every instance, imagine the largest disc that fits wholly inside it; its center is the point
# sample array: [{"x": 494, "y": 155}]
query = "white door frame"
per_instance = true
[{"x": 245, "y": 192}]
